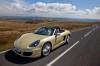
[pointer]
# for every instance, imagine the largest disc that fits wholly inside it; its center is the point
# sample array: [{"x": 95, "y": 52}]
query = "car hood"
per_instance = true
[{"x": 26, "y": 39}]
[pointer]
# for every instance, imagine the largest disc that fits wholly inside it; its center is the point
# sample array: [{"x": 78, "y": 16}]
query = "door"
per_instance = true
[{"x": 58, "y": 37}]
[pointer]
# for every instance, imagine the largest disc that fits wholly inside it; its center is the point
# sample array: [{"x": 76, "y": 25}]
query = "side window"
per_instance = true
[
  {"x": 49, "y": 31},
  {"x": 52, "y": 31}
]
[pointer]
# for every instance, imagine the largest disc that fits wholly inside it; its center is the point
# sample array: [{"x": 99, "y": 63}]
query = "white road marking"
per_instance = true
[
  {"x": 87, "y": 33},
  {"x": 5, "y": 51},
  {"x": 94, "y": 29},
  {"x": 52, "y": 62},
  {"x": 82, "y": 29}
]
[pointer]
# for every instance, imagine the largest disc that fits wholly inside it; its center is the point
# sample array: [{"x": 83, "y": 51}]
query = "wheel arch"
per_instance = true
[
  {"x": 44, "y": 44},
  {"x": 49, "y": 43}
]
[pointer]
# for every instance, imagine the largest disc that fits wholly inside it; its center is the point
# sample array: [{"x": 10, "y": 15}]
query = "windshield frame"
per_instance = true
[{"x": 52, "y": 33}]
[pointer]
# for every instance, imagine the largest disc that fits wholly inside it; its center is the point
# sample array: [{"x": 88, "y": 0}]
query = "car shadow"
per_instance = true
[{"x": 16, "y": 59}]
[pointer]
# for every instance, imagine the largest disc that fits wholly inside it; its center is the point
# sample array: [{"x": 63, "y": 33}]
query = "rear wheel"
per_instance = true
[
  {"x": 67, "y": 39},
  {"x": 46, "y": 49}
]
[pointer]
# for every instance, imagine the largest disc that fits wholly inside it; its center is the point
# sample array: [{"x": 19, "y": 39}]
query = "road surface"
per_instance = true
[{"x": 83, "y": 50}]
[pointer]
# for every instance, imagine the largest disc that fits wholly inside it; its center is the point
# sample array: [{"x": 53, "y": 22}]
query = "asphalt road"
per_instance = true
[{"x": 83, "y": 50}]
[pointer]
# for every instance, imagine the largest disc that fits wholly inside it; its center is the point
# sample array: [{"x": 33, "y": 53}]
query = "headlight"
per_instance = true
[{"x": 34, "y": 44}]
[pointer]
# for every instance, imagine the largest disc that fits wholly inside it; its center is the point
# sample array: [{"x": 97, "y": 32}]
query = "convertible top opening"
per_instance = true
[{"x": 48, "y": 31}]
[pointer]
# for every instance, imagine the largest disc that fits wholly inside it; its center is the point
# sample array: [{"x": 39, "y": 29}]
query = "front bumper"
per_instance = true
[{"x": 35, "y": 52}]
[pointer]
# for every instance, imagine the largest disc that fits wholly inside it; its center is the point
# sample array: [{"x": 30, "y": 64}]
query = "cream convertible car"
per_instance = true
[{"x": 41, "y": 42}]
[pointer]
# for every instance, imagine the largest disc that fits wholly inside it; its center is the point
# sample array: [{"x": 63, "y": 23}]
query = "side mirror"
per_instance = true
[{"x": 58, "y": 34}]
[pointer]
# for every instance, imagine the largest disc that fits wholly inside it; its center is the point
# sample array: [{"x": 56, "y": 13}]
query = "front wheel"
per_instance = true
[
  {"x": 67, "y": 39},
  {"x": 46, "y": 49}
]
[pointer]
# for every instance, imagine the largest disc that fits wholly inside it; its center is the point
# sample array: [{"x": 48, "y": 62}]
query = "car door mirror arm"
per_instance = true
[{"x": 57, "y": 34}]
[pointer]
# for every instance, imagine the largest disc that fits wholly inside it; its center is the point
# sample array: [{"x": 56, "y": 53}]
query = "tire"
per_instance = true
[
  {"x": 46, "y": 49},
  {"x": 67, "y": 39}
]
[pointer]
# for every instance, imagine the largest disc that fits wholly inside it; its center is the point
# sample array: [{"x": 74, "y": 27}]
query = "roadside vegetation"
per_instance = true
[{"x": 11, "y": 29}]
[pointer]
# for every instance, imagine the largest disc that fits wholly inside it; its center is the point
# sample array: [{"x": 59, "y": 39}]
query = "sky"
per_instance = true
[{"x": 51, "y": 8}]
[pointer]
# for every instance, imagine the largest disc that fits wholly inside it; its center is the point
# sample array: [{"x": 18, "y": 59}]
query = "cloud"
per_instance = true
[
  {"x": 96, "y": 10},
  {"x": 53, "y": 8},
  {"x": 67, "y": 10}
]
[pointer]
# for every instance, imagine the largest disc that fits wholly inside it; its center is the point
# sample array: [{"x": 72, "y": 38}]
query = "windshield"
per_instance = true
[{"x": 45, "y": 31}]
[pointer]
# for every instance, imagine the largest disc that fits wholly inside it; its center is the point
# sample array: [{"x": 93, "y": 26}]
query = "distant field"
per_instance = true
[{"x": 11, "y": 29}]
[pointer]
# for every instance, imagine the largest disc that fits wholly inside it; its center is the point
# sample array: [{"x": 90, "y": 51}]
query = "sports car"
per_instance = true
[{"x": 41, "y": 42}]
